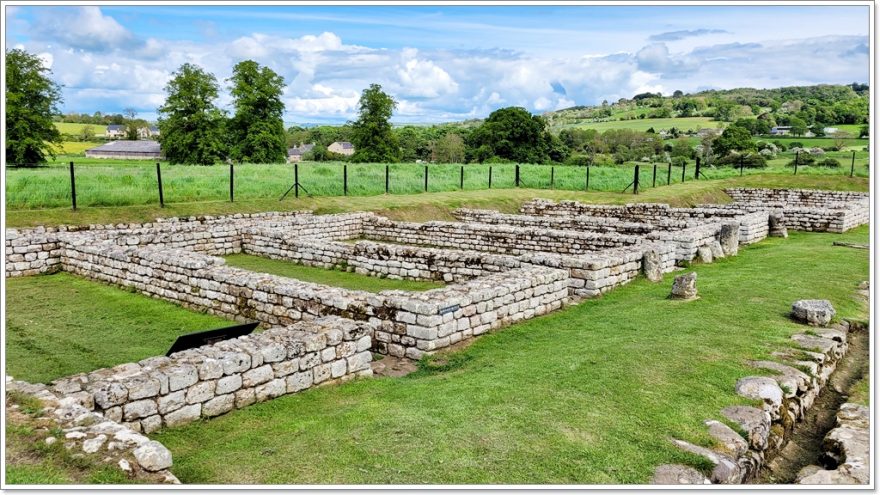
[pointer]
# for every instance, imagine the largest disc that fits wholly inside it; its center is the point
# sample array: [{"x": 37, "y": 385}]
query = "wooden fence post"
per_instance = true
[
  {"x": 461, "y": 179},
  {"x": 636, "y": 180},
  {"x": 587, "y": 187},
  {"x": 73, "y": 187},
  {"x": 490, "y": 176},
  {"x": 516, "y": 177},
  {"x": 345, "y": 180},
  {"x": 426, "y": 178},
  {"x": 161, "y": 194},
  {"x": 386, "y": 179},
  {"x": 552, "y": 176},
  {"x": 296, "y": 180},
  {"x": 669, "y": 174},
  {"x": 797, "y": 159},
  {"x": 654, "y": 180},
  {"x": 852, "y": 168},
  {"x": 697, "y": 170},
  {"x": 231, "y": 184},
  {"x": 683, "y": 168}
]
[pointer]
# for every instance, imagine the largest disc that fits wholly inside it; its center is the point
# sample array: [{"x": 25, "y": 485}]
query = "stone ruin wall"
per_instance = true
[{"x": 214, "y": 379}]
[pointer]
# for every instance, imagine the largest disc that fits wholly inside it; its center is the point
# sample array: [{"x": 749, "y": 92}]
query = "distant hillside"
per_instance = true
[{"x": 810, "y": 106}]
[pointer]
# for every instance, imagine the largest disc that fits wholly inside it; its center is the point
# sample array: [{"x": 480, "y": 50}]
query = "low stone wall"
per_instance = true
[
  {"x": 32, "y": 252},
  {"x": 492, "y": 238},
  {"x": 205, "y": 283},
  {"x": 214, "y": 379},
  {"x": 806, "y": 198},
  {"x": 374, "y": 259},
  {"x": 438, "y": 318},
  {"x": 754, "y": 223},
  {"x": 85, "y": 432}
]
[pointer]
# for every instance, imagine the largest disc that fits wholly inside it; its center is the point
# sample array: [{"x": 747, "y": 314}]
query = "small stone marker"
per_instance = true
[
  {"x": 777, "y": 225},
  {"x": 685, "y": 286},
  {"x": 651, "y": 266},
  {"x": 729, "y": 238},
  {"x": 814, "y": 312},
  {"x": 705, "y": 254}
]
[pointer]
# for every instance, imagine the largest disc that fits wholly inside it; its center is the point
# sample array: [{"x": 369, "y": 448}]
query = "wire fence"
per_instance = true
[{"x": 141, "y": 183}]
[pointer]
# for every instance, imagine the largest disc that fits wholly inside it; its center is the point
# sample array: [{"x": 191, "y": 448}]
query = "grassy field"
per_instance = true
[
  {"x": 681, "y": 123},
  {"x": 75, "y": 129},
  {"x": 428, "y": 206},
  {"x": 58, "y": 325},
  {"x": 589, "y": 394},
  {"x": 102, "y": 183},
  {"x": 336, "y": 278}
]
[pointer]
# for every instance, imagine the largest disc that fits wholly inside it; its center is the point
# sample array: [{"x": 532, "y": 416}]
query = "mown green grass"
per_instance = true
[
  {"x": 336, "y": 278},
  {"x": 58, "y": 325},
  {"x": 120, "y": 183},
  {"x": 588, "y": 394},
  {"x": 860, "y": 392},
  {"x": 438, "y": 205},
  {"x": 75, "y": 129}
]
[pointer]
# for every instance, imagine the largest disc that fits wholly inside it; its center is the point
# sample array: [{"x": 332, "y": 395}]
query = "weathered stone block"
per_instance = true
[{"x": 685, "y": 286}]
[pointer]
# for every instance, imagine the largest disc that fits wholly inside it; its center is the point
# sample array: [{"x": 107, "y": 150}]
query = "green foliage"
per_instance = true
[
  {"x": 828, "y": 162},
  {"x": 32, "y": 98},
  {"x": 798, "y": 126},
  {"x": 256, "y": 131},
  {"x": 749, "y": 160},
  {"x": 450, "y": 149},
  {"x": 514, "y": 134},
  {"x": 734, "y": 138},
  {"x": 371, "y": 133},
  {"x": 191, "y": 127}
]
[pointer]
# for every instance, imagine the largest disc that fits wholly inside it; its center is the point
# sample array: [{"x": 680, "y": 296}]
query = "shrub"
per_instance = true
[
  {"x": 752, "y": 160},
  {"x": 679, "y": 161},
  {"x": 578, "y": 159},
  {"x": 828, "y": 162},
  {"x": 795, "y": 144},
  {"x": 805, "y": 159}
]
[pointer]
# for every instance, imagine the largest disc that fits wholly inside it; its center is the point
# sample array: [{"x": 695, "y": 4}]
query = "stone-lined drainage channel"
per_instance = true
[{"x": 804, "y": 446}]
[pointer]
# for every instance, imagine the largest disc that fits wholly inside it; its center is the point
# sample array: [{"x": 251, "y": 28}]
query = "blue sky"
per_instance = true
[{"x": 441, "y": 62}]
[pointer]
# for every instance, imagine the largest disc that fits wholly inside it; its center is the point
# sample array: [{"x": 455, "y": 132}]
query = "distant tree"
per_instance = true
[
  {"x": 512, "y": 133},
  {"x": 798, "y": 126},
  {"x": 864, "y": 131},
  {"x": 840, "y": 140},
  {"x": 734, "y": 138},
  {"x": 371, "y": 133},
  {"x": 449, "y": 149},
  {"x": 677, "y": 93},
  {"x": 87, "y": 133},
  {"x": 131, "y": 124},
  {"x": 682, "y": 147},
  {"x": 256, "y": 131},
  {"x": 32, "y": 99},
  {"x": 191, "y": 126},
  {"x": 725, "y": 110}
]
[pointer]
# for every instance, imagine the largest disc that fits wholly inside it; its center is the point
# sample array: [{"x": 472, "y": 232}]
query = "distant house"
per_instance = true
[
  {"x": 148, "y": 132},
  {"x": 830, "y": 130},
  {"x": 341, "y": 147},
  {"x": 296, "y": 153},
  {"x": 115, "y": 131},
  {"x": 127, "y": 150},
  {"x": 780, "y": 130}
]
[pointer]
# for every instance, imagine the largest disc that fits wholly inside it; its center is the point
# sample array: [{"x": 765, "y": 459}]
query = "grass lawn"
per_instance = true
[
  {"x": 58, "y": 325},
  {"x": 75, "y": 129},
  {"x": 589, "y": 394},
  {"x": 437, "y": 205},
  {"x": 336, "y": 278}
]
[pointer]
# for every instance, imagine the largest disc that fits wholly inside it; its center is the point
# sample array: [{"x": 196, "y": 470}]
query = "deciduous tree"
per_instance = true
[
  {"x": 190, "y": 124},
  {"x": 32, "y": 99},
  {"x": 371, "y": 132},
  {"x": 256, "y": 131}
]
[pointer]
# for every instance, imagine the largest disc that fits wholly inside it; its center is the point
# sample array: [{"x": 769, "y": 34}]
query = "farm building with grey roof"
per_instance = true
[{"x": 127, "y": 150}]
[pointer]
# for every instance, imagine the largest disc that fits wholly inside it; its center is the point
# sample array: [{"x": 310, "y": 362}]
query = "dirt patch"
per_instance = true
[
  {"x": 393, "y": 366},
  {"x": 805, "y": 445}
]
